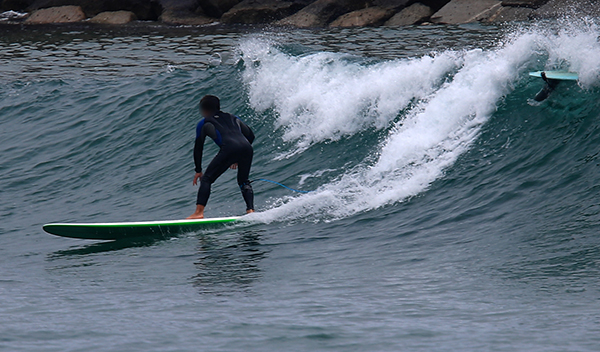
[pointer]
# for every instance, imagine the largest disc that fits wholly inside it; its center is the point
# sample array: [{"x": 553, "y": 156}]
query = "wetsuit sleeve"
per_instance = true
[
  {"x": 203, "y": 130},
  {"x": 246, "y": 131}
]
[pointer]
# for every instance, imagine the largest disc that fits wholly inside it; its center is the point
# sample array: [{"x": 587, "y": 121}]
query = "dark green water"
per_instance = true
[{"x": 450, "y": 213}]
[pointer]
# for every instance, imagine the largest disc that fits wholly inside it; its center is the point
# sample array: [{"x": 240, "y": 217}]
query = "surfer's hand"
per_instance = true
[
  {"x": 233, "y": 167},
  {"x": 196, "y": 177}
]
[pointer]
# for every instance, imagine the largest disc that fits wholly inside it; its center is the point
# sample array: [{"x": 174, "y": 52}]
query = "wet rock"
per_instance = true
[
  {"x": 143, "y": 9},
  {"x": 414, "y": 14},
  {"x": 321, "y": 12},
  {"x": 185, "y": 17},
  {"x": 466, "y": 11},
  {"x": 512, "y": 14},
  {"x": 62, "y": 14},
  {"x": 524, "y": 3},
  {"x": 216, "y": 8},
  {"x": 114, "y": 17},
  {"x": 183, "y": 12},
  {"x": 371, "y": 16},
  {"x": 260, "y": 11},
  {"x": 562, "y": 8}
]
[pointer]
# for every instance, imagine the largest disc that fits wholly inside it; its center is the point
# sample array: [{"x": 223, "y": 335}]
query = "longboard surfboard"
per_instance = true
[
  {"x": 112, "y": 231},
  {"x": 557, "y": 75}
]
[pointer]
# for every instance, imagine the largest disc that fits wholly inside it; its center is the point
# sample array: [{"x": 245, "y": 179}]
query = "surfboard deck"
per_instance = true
[
  {"x": 557, "y": 75},
  {"x": 112, "y": 231}
]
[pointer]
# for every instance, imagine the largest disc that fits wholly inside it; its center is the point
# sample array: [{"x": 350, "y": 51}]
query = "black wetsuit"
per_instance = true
[{"x": 235, "y": 140}]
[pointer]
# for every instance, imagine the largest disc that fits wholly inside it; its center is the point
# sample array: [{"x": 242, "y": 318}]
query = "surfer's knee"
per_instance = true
[
  {"x": 206, "y": 179},
  {"x": 245, "y": 186}
]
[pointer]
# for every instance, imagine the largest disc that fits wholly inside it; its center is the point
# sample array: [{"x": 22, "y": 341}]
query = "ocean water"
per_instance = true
[{"x": 449, "y": 211}]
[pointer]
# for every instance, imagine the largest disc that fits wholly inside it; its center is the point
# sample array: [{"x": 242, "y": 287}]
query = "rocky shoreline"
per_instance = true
[{"x": 290, "y": 13}]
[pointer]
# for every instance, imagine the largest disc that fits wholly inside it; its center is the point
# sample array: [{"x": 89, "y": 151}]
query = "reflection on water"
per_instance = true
[
  {"x": 224, "y": 261},
  {"x": 228, "y": 266},
  {"x": 101, "y": 247}
]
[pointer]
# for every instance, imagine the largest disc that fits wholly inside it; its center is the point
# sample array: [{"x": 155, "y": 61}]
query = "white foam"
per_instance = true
[
  {"x": 575, "y": 47},
  {"x": 322, "y": 97},
  {"x": 343, "y": 98},
  {"x": 316, "y": 174}
]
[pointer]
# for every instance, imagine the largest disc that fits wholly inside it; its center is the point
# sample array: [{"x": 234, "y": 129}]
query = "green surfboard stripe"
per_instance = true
[{"x": 126, "y": 230}]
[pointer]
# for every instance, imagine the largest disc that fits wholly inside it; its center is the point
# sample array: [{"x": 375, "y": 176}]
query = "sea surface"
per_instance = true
[{"x": 449, "y": 211}]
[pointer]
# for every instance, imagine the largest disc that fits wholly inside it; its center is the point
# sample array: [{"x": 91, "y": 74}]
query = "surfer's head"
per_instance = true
[{"x": 209, "y": 105}]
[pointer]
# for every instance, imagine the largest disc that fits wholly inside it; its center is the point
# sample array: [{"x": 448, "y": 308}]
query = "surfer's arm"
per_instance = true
[
  {"x": 203, "y": 130},
  {"x": 199, "y": 145},
  {"x": 198, "y": 148},
  {"x": 246, "y": 131}
]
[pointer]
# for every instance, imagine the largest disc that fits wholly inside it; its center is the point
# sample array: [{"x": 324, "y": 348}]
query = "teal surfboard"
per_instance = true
[
  {"x": 112, "y": 231},
  {"x": 557, "y": 75}
]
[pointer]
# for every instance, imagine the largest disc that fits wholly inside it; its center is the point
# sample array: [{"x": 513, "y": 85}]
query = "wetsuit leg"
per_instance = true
[
  {"x": 216, "y": 168},
  {"x": 244, "y": 164}
]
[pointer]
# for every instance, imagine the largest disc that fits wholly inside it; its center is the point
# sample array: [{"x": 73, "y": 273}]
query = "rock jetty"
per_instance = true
[{"x": 292, "y": 13}]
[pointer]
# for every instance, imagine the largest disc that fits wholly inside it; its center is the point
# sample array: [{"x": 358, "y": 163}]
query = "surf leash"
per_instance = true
[{"x": 280, "y": 184}]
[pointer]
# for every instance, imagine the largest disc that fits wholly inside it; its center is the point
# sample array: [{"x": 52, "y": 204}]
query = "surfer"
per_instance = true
[
  {"x": 548, "y": 88},
  {"x": 234, "y": 139}
]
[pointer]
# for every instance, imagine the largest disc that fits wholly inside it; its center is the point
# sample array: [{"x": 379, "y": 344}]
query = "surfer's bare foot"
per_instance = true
[
  {"x": 249, "y": 211},
  {"x": 198, "y": 214}
]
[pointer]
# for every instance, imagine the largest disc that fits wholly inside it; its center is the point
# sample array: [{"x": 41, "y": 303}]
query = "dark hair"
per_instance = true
[{"x": 210, "y": 103}]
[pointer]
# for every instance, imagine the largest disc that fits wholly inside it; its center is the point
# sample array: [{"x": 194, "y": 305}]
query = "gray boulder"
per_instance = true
[
  {"x": 466, "y": 11},
  {"x": 260, "y": 11},
  {"x": 321, "y": 12},
  {"x": 62, "y": 14},
  {"x": 524, "y": 3},
  {"x": 414, "y": 14},
  {"x": 143, "y": 9},
  {"x": 183, "y": 12},
  {"x": 561, "y": 8},
  {"x": 512, "y": 14},
  {"x": 114, "y": 17},
  {"x": 371, "y": 16},
  {"x": 185, "y": 17}
]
